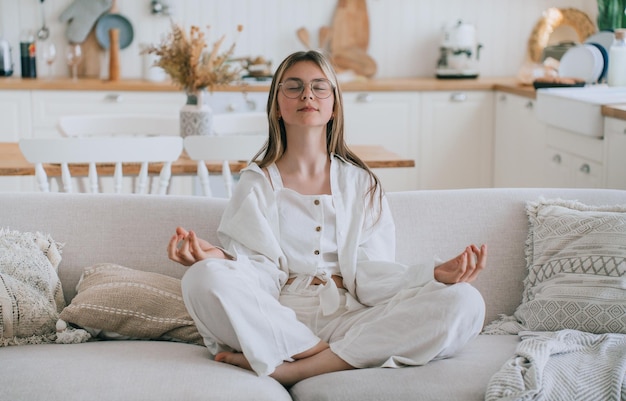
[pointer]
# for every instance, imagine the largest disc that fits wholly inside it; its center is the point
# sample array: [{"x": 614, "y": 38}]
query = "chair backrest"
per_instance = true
[
  {"x": 117, "y": 150},
  {"x": 238, "y": 137},
  {"x": 118, "y": 125}
]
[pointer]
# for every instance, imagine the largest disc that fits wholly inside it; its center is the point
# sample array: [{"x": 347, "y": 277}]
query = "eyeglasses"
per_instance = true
[{"x": 294, "y": 88}]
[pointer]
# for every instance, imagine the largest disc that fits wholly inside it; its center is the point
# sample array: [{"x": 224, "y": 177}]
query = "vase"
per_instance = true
[{"x": 196, "y": 116}]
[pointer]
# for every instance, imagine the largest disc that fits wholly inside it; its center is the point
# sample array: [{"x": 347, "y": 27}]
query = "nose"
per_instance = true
[{"x": 307, "y": 91}]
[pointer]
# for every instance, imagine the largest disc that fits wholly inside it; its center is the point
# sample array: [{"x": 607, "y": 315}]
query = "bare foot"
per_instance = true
[
  {"x": 233, "y": 358},
  {"x": 318, "y": 360}
]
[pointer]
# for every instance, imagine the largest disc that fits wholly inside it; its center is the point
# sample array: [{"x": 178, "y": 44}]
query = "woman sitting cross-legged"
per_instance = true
[{"x": 306, "y": 282}]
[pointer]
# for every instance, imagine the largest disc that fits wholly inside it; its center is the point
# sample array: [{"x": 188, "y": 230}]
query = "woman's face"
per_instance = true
[{"x": 305, "y": 109}]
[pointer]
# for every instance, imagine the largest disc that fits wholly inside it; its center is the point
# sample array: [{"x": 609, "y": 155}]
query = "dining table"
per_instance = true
[{"x": 13, "y": 163}]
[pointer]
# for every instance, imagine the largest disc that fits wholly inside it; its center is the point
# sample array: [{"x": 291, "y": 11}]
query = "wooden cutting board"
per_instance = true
[
  {"x": 350, "y": 27},
  {"x": 93, "y": 54}
]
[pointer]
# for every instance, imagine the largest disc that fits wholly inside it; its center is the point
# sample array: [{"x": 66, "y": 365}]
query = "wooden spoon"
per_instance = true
[
  {"x": 325, "y": 34},
  {"x": 303, "y": 35}
]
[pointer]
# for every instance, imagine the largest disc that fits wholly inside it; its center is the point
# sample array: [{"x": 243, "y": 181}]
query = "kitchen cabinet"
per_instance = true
[
  {"x": 456, "y": 139},
  {"x": 572, "y": 160},
  {"x": 389, "y": 119},
  {"x": 519, "y": 140},
  {"x": 15, "y": 115},
  {"x": 49, "y": 105},
  {"x": 15, "y": 123},
  {"x": 615, "y": 153}
]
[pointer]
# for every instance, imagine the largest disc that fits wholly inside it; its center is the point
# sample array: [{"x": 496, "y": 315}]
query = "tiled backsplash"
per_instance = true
[{"x": 404, "y": 34}]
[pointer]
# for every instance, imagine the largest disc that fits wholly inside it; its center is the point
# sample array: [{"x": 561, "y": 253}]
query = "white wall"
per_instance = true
[{"x": 405, "y": 34}]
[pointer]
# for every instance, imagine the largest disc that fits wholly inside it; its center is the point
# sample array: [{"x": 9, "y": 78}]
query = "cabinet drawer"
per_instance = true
[
  {"x": 48, "y": 106},
  {"x": 584, "y": 146},
  {"x": 615, "y": 125}
]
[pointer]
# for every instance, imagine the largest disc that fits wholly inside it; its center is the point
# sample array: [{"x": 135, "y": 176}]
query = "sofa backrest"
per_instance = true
[
  {"x": 133, "y": 230},
  {"x": 442, "y": 223}
]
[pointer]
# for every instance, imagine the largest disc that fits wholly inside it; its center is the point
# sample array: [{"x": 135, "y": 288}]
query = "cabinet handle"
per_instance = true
[
  {"x": 364, "y": 98},
  {"x": 458, "y": 97},
  {"x": 530, "y": 105},
  {"x": 585, "y": 169},
  {"x": 556, "y": 158},
  {"x": 113, "y": 98},
  {"x": 624, "y": 131},
  {"x": 502, "y": 98}
]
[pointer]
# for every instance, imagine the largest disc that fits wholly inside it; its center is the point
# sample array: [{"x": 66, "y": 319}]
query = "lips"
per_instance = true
[{"x": 307, "y": 108}]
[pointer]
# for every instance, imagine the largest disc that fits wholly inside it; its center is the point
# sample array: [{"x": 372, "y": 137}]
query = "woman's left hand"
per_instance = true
[{"x": 463, "y": 268}]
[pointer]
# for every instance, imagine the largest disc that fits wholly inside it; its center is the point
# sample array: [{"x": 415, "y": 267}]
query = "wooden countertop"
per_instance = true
[
  {"x": 374, "y": 85},
  {"x": 615, "y": 111},
  {"x": 13, "y": 163}
]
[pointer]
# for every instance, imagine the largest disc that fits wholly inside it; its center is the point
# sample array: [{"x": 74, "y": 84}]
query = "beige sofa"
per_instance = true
[{"x": 133, "y": 231}]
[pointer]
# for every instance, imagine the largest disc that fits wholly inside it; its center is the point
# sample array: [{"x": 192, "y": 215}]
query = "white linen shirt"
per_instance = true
[{"x": 250, "y": 230}]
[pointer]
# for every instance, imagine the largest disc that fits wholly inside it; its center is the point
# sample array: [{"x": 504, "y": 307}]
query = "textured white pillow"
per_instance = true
[
  {"x": 576, "y": 260},
  {"x": 31, "y": 296}
]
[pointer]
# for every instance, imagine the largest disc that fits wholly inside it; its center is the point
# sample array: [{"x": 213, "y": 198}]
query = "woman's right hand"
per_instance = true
[{"x": 186, "y": 248}]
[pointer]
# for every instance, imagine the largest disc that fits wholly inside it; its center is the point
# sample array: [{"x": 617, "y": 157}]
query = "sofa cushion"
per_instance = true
[
  {"x": 31, "y": 295},
  {"x": 128, "y": 371},
  {"x": 576, "y": 259},
  {"x": 463, "y": 377},
  {"x": 115, "y": 302}
]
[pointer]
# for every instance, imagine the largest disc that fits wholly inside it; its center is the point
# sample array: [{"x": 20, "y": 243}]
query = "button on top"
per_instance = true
[
  {"x": 316, "y": 202},
  {"x": 317, "y": 252},
  {"x": 318, "y": 228}
]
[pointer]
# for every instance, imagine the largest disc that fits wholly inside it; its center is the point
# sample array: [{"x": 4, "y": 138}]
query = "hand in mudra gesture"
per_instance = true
[
  {"x": 186, "y": 248},
  {"x": 463, "y": 268}
]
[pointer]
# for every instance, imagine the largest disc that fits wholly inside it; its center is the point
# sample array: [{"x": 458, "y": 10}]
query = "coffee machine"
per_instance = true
[{"x": 459, "y": 52}]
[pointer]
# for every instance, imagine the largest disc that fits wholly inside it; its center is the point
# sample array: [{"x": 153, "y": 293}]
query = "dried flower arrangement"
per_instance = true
[{"x": 185, "y": 59}]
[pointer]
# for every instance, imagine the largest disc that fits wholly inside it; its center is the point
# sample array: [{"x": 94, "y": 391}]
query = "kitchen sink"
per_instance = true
[{"x": 577, "y": 109}]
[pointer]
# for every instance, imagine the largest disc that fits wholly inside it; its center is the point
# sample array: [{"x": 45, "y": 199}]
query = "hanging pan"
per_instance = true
[{"x": 114, "y": 20}]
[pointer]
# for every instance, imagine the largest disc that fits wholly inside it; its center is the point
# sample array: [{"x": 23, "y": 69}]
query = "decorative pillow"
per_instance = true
[
  {"x": 31, "y": 296},
  {"x": 576, "y": 260},
  {"x": 117, "y": 302}
]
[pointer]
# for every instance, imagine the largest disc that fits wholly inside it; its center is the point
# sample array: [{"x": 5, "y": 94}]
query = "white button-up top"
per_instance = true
[{"x": 252, "y": 230}]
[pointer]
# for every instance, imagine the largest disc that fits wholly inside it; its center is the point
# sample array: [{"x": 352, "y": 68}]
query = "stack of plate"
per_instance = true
[{"x": 587, "y": 61}]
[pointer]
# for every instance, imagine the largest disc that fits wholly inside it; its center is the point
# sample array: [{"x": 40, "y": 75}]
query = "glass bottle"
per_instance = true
[
  {"x": 28, "y": 55},
  {"x": 617, "y": 60}
]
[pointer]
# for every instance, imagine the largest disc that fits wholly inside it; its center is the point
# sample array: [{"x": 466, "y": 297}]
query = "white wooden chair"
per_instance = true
[
  {"x": 117, "y": 125},
  {"x": 238, "y": 137},
  {"x": 118, "y": 150}
]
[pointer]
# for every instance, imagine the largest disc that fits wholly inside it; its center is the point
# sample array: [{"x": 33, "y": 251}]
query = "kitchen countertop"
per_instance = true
[
  {"x": 503, "y": 84},
  {"x": 374, "y": 85},
  {"x": 615, "y": 111}
]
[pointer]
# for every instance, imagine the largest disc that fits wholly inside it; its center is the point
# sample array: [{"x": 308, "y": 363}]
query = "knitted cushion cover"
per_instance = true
[
  {"x": 31, "y": 295},
  {"x": 576, "y": 260},
  {"x": 116, "y": 302}
]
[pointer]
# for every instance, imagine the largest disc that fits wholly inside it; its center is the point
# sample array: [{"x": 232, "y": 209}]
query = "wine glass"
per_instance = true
[
  {"x": 49, "y": 55},
  {"x": 74, "y": 56}
]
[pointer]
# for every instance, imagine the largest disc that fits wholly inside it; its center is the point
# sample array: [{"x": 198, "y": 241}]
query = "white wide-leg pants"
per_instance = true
[{"x": 233, "y": 311}]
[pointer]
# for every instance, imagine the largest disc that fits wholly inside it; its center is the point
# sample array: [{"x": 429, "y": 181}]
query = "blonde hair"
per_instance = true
[{"x": 335, "y": 140}]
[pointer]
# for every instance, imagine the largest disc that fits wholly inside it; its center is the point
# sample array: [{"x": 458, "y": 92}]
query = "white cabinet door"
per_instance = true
[
  {"x": 389, "y": 119},
  {"x": 572, "y": 160},
  {"x": 615, "y": 153},
  {"x": 519, "y": 140},
  {"x": 15, "y": 115},
  {"x": 48, "y": 106},
  {"x": 456, "y": 148},
  {"x": 15, "y": 123}
]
